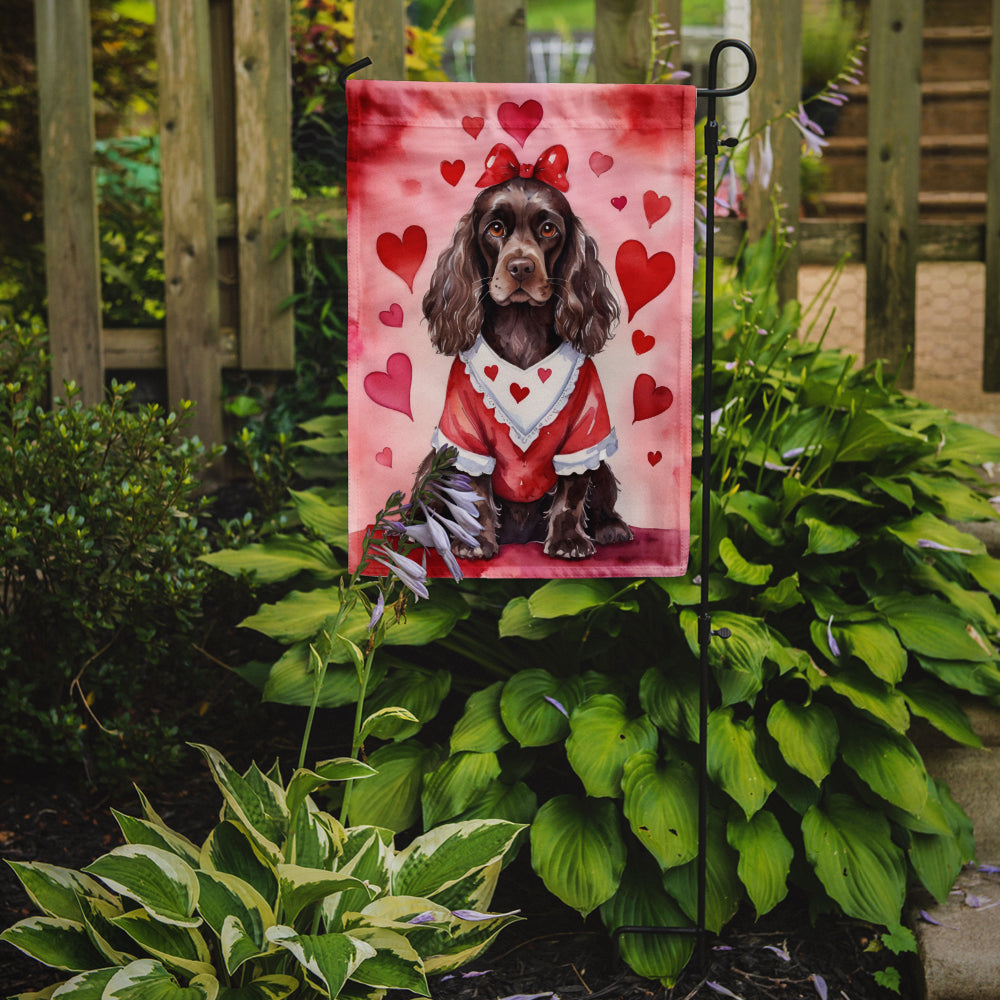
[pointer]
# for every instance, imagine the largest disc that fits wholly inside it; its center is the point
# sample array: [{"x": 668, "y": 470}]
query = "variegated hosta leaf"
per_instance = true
[
  {"x": 304, "y": 782},
  {"x": 230, "y": 849},
  {"x": 807, "y": 736},
  {"x": 456, "y": 784},
  {"x": 116, "y": 947},
  {"x": 535, "y": 706},
  {"x": 329, "y": 959},
  {"x": 395, "y": 964},
  {"x": 158, "y": 880},
  {"x": 466, "y": 941},
  {"x": 275, "y": 987},
  {"x": 661, "y": 805},
  {"x": 391, "y": 799},
  {"x": 642, "y": 902},
  {"x": 87, "y": 986},
  {"x": 149, "y": 980},
  {"x": 141, "y": 831},
  {"x": 56, "y": 891},
  {"x": 850, "y": 847},
  {"x": 367, "y": 853},
  {"x": 301, "y": 887},
  {"x": 578, "y": 851},
  {"x": 481, "y": 727},
  {"x": 476, "y": 890},
  {"x": 315, "y": 838},
  {"x": 54, "y": 941},
  {"x": 225, "y": 897},
  {"x": 765, "y": 858},
  {"x": 177, "y": 947},
  {"x": 441, "y": 857},
  {"x": 602, "y": 737},
  {"x": 888, "y": 763},
  {"x": 732, "y": 760}
]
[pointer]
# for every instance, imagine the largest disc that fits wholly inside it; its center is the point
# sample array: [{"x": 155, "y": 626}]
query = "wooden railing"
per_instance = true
[{"x": 226, "y": 161}]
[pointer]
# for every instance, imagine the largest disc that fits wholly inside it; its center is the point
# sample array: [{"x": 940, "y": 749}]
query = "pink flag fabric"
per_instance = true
[{"x": 520, "y": 284}]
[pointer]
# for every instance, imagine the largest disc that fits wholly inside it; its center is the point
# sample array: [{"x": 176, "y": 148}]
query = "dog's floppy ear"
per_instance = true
[
  {"x": 453, "y": 305},
  {"x": 586, "y": 308}
]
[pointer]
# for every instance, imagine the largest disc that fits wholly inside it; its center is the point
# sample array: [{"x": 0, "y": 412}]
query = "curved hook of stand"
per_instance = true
[
  {"x": 712, "y": 90},
  {"x": 353, "y": 68}
]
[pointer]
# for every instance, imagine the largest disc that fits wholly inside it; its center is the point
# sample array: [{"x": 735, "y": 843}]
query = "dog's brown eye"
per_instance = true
[
  {"x": 495, "y": 229},
  {"x": 548, "y": 230}
]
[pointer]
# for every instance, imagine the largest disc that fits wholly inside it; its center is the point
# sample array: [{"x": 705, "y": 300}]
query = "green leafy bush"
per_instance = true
[
  {"x": 280, "y": 899},
  {"x": 101, "y": 584}
]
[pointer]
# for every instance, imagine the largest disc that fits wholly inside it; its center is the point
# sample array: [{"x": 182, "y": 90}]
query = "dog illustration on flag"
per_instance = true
[{"x": 522, "y": 301}]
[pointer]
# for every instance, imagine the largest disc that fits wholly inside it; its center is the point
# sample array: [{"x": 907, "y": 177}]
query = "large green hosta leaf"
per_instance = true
[
  {"x": 535, "y": 706},
  {"x": 279, "y": 558},
  {"x": 732, "y": 760},
  {"x": 924, "y": 528},
  {"x": 456, "y": 784},
  {"x": 876, "y": 646},
  {"x": 888, "y": 763},
  {"x": 661, "y": 805},
  {"x": 932, "y": 628},
  {"x": 807, "y": 736},
  {"x": 602, "y": 738},
  {"x": 941, "y": 709},
  {"x": 415, "y": 689},
  {"x": 739, "y": 569},
  {"x": 738, "y": 661},
  {"x": 391, "y": 798},
  {"x": 481, "y": 728},
  {"x": 850, "y": 848},
  {"x": 671, "y": 700},
  {"x": 765, "y": 858},
  {"x": 578, "y": 851}
]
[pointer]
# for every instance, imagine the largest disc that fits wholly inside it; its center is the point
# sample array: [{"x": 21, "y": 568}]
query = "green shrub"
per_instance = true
[{"x": 101, "y": 584}]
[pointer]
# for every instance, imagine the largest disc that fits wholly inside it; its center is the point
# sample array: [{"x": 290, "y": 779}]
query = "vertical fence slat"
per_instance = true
[
  {"x": 501, "y": 41},
  {"x": 621, "y": 40},
  {"x": 261, "y": 57},
  {"x": 72, "y": 257},
  {"x": 893, "y": 183},
  {"x": 380, "y": 34},
  {"x": 991, "y": 332},
  {"x": 776, "y": 35},
  {"x": 190, "y": 253}
]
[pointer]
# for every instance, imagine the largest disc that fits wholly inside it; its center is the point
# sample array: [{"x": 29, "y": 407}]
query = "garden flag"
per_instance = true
[{"x": 520, "y": 282}]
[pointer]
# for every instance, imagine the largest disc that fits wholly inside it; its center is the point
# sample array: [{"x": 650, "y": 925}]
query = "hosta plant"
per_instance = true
[{"x": 279, "y": 900}]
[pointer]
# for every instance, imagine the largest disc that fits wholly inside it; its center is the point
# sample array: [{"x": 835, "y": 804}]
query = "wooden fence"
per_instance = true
[{"x": 226, "y": 161}]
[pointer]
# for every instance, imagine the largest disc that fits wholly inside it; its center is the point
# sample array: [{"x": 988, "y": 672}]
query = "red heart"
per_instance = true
[
  {"x": 393, "y": 316},
  {"x": 642, "y": 278},
  {"x": 544, "y": 373},
  {"x": 648, "y": 398},
  {"x": 656, "y": 206},
  {"x": 490, "y": 371},
  {"x": 600, "y": 163},
  {"x": 452, "y": 172},
  {"x": 403, "y": 256},
  {"x": 384, "y": 457},
  {"x": 642, "y": 342},
  {"x": 518, "y": 392},
  {"x": 654, "y": 457},
  {"x": 619, "y": 202},
  {"x": 519, "y": 121},
  {"x": 473, "y": 125},
  {"x": 391, "y": 388}
]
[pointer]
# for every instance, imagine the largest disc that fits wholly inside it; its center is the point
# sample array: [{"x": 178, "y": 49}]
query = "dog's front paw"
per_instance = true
[
  {"x": 486, "y": 549},
  {"x": 577, "y": 546},
  {"x": 613, "y": 532}
]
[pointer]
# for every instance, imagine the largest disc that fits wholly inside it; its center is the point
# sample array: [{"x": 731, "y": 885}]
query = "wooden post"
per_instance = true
[
  {"x": 501, "y": 37},
  {"x": 380, "y": 34},
  {"x": 262, "y": 61},
  {"x": 622, "y": 40},
  {"x": 72, "y": 255},
  {"x": 190, "y": 254},
  {"x": 991, "y": 333},
  {"x": 776, "y": 35},
  {"x": 893, "y": 184}
]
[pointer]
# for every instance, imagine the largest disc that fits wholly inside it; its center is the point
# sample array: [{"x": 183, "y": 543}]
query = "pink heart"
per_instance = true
[
  {"x": 620, "y": 202},
  {"x": 642, "y": 278},
  {"x": 403, "y": 256},
  {"x": 490, "y": 371},
  {"x": 642, "y": 342},
  {"x": 656, "y": 206},
  {"x": 393, "y": 316},
  {"x": 391, "y": 388},
  {"x": 518, "y": 392},
  {"x": 473, "y": 125},
  {"x": 601, "y": 163},
  {"x": 452, "y": 172},
  {"x": 519, "y": 121},
  {"x": 654, "y": 457},
  {"x": 648, "y": 398},
  {"x": 384, "y": 457},
  {"x": 544, "y": 373}
]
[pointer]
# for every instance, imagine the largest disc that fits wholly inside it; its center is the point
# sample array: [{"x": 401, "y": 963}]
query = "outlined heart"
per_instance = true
[
  {"x": 655, "y": 206},
  {"x": 600, "y": 163},
  {"x": 490, "y": 371},
  {"x": 654, "y": 457},
  {"x": 620, "y": 202},
  {"x": 649, "y": 399},
  {"x": 521, "y": 120},
  {"x": 519, "y": 392},
  {"x": 642, "y": 278},
  {"x": 403, "y": 256},
  {"x": 642, "y": 342},
  {"x": 544, "y": 374},
  {"x": 473, "y": 125},
  {"x": 391, "y": 388},
  {"x": 452, "y": 171},
  {"x": 384, "y": 457},
  {"x": 393, "y": 316}
]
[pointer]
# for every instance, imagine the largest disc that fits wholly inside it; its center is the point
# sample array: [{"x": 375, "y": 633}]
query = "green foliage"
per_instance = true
[
  {"x": 280, "y": 899},
  {"x": 101, "y": 587}
]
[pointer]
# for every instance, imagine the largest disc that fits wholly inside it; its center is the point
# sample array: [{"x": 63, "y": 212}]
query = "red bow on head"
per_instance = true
[{"x": 502, "y": 165}]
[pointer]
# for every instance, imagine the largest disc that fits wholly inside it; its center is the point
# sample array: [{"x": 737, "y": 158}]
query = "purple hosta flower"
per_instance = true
[
  {"x": 927, "y": 543},
  {"x": 465, "y": 975},
  {"x": 427, "y": 917},
  {"x": 927, "y": 918},
  {"x": 377, "y": 611},
  {"x": 780, "y": 952},
  {"x": 820, "y": 983},
  {"x": 834, "y": 648},
  {"x": 431, "y": 534},
  {"x": 411, "y": 574},
  {"x": 552, "y": 701},
  {"x": 719, "y": 988},
  {"x": 812, "y": 134},
  {"x": 531, "y": 996},
  {"x": 990, "y": 869},
  {"x": 729, "y": 201},
  {"x": 760, "y": 165},
  {"x": 475, "y": 915}
]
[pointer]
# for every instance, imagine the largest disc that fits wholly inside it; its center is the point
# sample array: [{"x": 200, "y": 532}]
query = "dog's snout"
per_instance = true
[{"x": 520, "y": 267}]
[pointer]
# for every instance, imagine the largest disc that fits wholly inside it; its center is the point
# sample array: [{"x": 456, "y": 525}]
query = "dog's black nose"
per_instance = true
[{"x": 520, "y": 267}]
